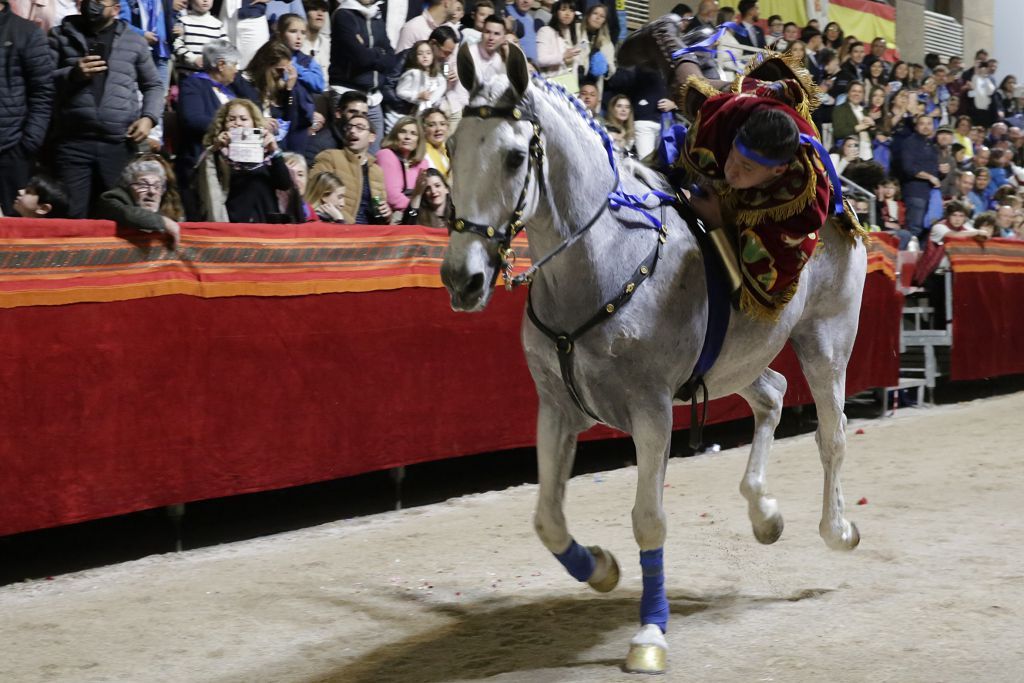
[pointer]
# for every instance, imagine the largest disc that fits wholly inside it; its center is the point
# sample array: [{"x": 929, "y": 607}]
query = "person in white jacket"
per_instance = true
[
  {"x": 422, "y": 84},
  {"x": 562, "y": 48},
  {"x": 982, "y": 89}
]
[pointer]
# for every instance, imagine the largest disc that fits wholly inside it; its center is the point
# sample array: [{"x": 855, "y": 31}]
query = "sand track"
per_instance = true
[{"x": 463, "y": 591}]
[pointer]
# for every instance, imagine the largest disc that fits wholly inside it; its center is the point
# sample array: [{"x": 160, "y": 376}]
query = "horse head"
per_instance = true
[{"x": 496, "y": 178}]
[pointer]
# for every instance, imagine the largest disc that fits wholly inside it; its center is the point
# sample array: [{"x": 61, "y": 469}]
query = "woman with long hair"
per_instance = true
[
  {"x": 620, "y": 115},
  {"x": 241, "y": 189},
  {"x": 899, "y": 77},
  {"x": 875, "y": 79},
  {"x": 402, "y": 157},
  {"x": 431, "y": 202},
  {"x": 270, "y": 80},
  {"x": 562, "y": 47},
  {"x": 601, "y": 59},
  {"x": 832, "y": 35},
  {"x": 1004, "y": 100}
]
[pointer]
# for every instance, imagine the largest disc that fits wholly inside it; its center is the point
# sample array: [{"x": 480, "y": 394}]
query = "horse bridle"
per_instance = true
[{"x": 503, "y": 235}]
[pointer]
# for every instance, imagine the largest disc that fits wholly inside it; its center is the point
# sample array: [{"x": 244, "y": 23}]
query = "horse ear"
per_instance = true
[
  {"x": 466, "y": 68},
  {"x": 518, "y": 70}
]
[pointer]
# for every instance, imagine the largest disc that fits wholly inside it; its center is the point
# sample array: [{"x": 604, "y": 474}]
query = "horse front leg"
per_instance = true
[
  {"x": 556, "y": 450},
  {"x": 648, "y": 650},
  {"x": 765, "y": 399}
]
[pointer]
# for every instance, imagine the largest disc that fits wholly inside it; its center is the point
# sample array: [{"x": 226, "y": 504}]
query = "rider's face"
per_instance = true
[{"x": 742, "y": 173}]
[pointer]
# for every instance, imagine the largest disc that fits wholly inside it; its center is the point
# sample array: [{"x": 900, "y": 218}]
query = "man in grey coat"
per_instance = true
[
  {"x": 26, "y": 101},
  {"x": 102, "y": 67}
]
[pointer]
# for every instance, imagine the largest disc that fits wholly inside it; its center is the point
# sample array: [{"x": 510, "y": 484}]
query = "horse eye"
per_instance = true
[{"x": 516, "y": 159}]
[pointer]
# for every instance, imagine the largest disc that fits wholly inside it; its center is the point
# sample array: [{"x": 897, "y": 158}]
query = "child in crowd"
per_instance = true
[
  {"x": 422, "y": 84},
  {"x": 291, "y": 30},
  {"x": 326, "y": 194},
  {"x": 194, "y": 30},
  {"x": 892, "y": 213},
  {"x": 291, "y": 202},
  {"x": 43, "y": 197}
]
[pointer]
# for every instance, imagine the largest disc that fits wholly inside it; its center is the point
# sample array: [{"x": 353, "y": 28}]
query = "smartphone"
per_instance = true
[{"x": 98, "y": 50}]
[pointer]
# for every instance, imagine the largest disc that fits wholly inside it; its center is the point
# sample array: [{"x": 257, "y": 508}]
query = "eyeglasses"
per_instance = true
[
  {"x": 361, "y": 127},
  {"x": 147, "y": 187}
]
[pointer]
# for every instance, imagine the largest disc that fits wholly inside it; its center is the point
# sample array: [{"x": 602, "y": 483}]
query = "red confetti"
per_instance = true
[
  {"x": 703, "y": 514},
  {"x": 859, "y": 431},
  {"x": 862, "y": 501}
]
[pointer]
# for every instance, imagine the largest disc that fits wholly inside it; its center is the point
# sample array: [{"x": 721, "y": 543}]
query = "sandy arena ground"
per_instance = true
[{"x": 463, "y": 591}]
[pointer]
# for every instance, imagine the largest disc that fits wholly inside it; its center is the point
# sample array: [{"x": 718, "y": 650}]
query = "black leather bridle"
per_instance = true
[{"x": 504, "y": 234}]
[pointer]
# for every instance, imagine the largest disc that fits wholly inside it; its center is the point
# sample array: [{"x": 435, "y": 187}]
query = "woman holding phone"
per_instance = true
[{"x": 562, "y": 48}]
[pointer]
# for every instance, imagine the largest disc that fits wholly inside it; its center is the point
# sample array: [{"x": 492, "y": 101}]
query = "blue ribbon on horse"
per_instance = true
[
  {"x": 673, "y": 137},
  {"x": 708, "y": 44},
  {"x": 623, "y": 200},
  {"x": 833, "y": 174}
]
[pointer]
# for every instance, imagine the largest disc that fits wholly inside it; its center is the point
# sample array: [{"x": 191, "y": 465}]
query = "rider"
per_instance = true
[{"x": 751, "y": 157}]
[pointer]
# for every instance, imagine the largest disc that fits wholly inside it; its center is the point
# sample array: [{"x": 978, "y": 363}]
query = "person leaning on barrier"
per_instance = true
[{"x": 138, "y": 201}]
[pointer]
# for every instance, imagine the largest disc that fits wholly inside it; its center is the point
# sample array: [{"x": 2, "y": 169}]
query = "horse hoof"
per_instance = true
[
  {"x": 648, "y": 652},
  {"x": 606, "y": 570},
  {"x": 846, "y": 541},
  {"x": 770, "y": 531}
]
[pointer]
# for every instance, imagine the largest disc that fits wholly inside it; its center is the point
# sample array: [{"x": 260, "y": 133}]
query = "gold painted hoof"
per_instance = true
[
  {"x": 646, "y": 659},
  {"x": 606, "y": 567}
]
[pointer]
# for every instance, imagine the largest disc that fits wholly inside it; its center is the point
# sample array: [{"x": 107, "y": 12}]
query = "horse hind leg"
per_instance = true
[
  {"x": 556, "y": 450},
  {"x": 765, "y": 399},
  {"x": 823, "y": 359}
]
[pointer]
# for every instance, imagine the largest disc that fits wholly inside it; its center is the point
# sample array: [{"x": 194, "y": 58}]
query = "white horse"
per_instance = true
[{"x": 630, "y": 365}]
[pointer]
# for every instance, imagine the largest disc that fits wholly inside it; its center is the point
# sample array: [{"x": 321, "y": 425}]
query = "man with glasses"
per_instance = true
[
  {"x": 359, "y": 173},
  {"x": 138, "y": 200},
  {"x": 103, "y": 71}
]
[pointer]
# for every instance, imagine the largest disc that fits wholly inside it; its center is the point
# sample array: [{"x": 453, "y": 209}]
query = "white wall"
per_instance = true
[{"x": 1009, "y": 32}]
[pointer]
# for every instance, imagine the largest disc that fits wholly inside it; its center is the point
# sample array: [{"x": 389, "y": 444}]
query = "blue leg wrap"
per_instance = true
[
  {"x": 578, "y": 561},
  {"x": 653, "y": 604}
]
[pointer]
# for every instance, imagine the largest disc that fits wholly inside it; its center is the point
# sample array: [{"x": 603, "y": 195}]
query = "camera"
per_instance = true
[{"x": 246, "y": 145}]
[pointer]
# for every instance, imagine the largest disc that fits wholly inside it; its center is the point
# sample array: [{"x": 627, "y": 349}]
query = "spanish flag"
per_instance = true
[{"x": 862, "y": 18}]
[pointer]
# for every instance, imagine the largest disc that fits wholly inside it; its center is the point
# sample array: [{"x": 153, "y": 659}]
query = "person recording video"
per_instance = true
[{"x": 242, "y": 168}]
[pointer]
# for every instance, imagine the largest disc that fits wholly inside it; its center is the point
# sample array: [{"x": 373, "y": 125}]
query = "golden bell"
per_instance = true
[
  {"x": 459, "y": 225},
  {"x": 630, "y": 287},
  {"x": 610, "y": 308},
  {"x": 516, "y": 114},
  {"x": 644, "y": 270},
  {"x": 490, "y": 231}
]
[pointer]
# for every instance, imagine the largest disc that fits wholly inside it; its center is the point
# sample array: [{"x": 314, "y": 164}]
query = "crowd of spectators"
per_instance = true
[{"x": 149, "y": 112}]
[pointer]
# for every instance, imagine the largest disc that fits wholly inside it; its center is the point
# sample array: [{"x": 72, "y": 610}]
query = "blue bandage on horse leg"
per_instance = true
[
  {"x": 653, "y": 604},
  {"x": 578, "y": 561}
]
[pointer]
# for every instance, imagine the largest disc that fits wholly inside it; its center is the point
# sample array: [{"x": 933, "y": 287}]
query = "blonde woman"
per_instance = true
[
  {"x": 326, "y": 194},
  {"x": 620, "y": 115},
  {"x": 601, "y": 60},
  {"x": 236, "y": 191},
  {"x": 402, "y": 157}
]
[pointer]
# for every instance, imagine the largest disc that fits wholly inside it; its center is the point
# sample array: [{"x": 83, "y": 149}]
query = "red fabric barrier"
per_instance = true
[
  {"x": 988, "y": 317},
  {"x": 116, "y": 407}
]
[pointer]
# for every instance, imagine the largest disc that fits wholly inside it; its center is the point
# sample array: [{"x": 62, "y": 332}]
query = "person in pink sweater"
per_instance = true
[{"x": 402, "y": 158}]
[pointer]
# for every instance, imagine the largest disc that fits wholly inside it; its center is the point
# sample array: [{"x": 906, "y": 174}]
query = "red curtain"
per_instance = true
[{"x": 120, "y": 406}]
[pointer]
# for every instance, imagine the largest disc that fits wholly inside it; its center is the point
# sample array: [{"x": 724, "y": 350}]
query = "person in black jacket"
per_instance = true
[
  {"x": 919, "y": 166},
  {"x": 26, "y": 101},
  {"x": 102, "y": 66},
  {"x": 748, "y": 14},
  {"x": 361, "y": 55}
]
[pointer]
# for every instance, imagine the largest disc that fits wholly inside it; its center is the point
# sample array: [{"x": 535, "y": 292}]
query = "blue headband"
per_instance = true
[{"x": 754, "y": 156}]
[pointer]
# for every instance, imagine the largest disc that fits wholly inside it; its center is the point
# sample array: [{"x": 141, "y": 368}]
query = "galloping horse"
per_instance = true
[{"x": 525, "y": 153}]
